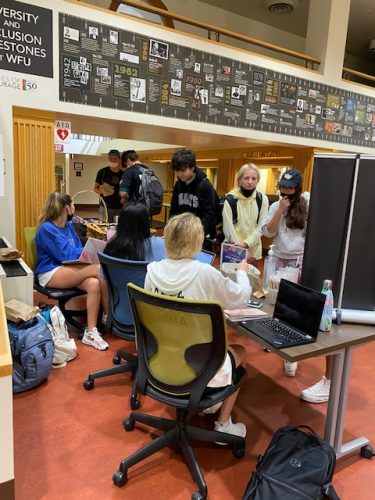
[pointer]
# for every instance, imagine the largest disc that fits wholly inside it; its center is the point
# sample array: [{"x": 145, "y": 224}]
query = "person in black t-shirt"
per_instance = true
[
  {"x": 107, "y": 184},
  {"x": 131, "y": 179}
]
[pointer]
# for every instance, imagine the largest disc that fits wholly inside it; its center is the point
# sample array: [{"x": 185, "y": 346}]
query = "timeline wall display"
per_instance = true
[{"x": 107, "y": 67}]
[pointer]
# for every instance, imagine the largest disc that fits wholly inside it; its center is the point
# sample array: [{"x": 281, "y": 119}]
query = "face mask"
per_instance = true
[
  {"x": 247, "y": 192},
  {"x": 69, "y": 217},
  {"x": 113, "y": 164},
  {"x": 291, "y": 197}
]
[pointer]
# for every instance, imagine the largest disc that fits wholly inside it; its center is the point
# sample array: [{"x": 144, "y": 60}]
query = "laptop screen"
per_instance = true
[
  {"x": 299, "y": 306},
  {"x": 205, "y": 256}
]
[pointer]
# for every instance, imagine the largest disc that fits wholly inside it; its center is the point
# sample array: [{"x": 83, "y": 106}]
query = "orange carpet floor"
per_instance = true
[{"x": 69, "y": 441}]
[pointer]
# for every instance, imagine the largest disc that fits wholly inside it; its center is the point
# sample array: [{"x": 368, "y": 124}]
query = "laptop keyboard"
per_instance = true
[
  {"x": 281, "y": 330},
  {"x": 13, "y": 268}
]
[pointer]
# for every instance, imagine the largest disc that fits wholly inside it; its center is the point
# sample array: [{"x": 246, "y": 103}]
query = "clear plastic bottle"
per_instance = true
[
  {"x": 271, "y": 264},
  {"x": 326, "y": 321}
]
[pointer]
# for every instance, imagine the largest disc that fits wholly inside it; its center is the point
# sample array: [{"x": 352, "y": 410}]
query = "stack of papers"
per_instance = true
[{"x": 243, "y": 314}]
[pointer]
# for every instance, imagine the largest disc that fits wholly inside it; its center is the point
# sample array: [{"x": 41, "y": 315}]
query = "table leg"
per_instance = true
[
  {"x": 334, "y": 397},
  {"x": 356, "y": 444}
]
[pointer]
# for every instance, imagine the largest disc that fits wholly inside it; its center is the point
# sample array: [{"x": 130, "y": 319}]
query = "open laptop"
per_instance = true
[
  {"x": 205, "y": 256},
  {"x": 296, "y": 317},
  {"x": 89, "y": 254}
]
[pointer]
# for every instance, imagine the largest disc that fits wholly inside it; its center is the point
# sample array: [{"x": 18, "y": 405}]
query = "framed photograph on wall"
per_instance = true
[{"x": 78, "y": 166}]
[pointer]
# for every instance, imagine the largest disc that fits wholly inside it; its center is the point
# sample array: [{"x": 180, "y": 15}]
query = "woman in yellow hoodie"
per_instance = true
[{"x": 245, "y": 209}]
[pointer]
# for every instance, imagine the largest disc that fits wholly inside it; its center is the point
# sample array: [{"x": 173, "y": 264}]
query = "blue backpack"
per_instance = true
[{"x": 32, "y": 352}]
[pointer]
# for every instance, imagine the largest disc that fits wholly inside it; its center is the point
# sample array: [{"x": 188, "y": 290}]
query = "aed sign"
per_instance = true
[
  {"x": 26, "y": 38},
  {"x": 62, "y": 132}
]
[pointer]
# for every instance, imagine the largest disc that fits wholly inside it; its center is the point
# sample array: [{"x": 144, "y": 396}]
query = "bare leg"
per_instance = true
[
  {"x": 239, "y": 354},
  {"x": 85, "y": 278}
]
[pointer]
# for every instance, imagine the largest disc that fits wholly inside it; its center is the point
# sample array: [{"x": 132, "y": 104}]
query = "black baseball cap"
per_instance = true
[
  {"x": 114, "y": 152},
  {"x": 291, "y": 178}
]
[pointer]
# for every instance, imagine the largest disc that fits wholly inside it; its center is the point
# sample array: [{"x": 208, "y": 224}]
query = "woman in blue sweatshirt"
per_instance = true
[{"x": 57, "y": 242}]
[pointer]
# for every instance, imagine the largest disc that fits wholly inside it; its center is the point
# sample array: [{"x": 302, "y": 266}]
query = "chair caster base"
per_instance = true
[
  {"x": 128, "y": 424},
  {"x": 119, "y": 478},
  {"x": 197, "y": 495},
  {"x": 116, "y": 360},
  {"x": 88, "y": 384},
  {"x": 135, "y": 404}
]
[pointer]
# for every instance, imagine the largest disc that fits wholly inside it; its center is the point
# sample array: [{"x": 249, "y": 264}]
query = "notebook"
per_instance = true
[
  {"x": 296, "y": 317},
  {"x": 89, "y": 254}
]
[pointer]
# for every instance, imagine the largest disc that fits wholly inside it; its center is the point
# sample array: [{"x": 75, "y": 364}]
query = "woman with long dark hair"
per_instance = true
[
  {"x": 132, "y": 240},
  {"x": 286, "y": 224},
  {"x": 287, "y": 219}
]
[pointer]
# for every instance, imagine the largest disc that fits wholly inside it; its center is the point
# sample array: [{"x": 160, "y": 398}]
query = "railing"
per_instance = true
[
  {"x": 347, "y": 73},
  {"x": 216, "y": 31}
]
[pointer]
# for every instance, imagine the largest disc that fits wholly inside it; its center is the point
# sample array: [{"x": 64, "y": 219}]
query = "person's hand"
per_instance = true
[
  {"x": 242, "y": 245},
  {"x": 101, "y": 189},
  {"x": 242, "y": 266},
  {"x": 284, "y": 203}
]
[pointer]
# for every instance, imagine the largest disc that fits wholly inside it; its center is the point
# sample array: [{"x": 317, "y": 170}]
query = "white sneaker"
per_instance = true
[
  {"x": 93, "y": 338},
  {"x": 290, "y": 368},
  {"x": 213, "y": 409},
  {"x": 317, "y": 393},
  {"x": 230, "y": 428}
]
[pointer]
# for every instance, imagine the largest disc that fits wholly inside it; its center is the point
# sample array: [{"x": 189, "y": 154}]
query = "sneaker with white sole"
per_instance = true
[
  {"x": 290, "y": 368},
  {"x": 213, "y": 409},
  {"x": 230, "y": 428},
  {"x": 317, "y": 393},
  {"x": 93, "y": 338}
]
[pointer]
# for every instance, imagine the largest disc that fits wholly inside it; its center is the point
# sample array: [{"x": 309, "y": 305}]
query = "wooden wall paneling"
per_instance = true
[
  {"x": 34, "y": 161},
  {"x": 226, "y": 175}
]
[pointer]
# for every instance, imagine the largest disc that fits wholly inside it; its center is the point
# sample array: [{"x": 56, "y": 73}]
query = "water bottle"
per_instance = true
[
  {"x": 326, "y": 321},
  {"x": 271, "y": 264}
]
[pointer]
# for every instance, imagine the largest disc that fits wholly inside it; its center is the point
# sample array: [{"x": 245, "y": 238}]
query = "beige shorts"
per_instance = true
[{"x": 44, "y": 278}]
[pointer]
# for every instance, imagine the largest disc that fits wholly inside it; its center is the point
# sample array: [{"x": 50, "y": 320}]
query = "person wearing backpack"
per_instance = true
[
  {"x": 244, "y": 212},
  {"x": 193, "y": 192},
  {"x": 140, "y": 184}
]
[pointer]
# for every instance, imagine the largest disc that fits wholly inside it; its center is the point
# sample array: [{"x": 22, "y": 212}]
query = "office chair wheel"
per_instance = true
[
  {"x": 135, "y": 404},
  {"x": 119, "y": 478},
  {"x": 128, "y": 424},
  {"x": 197, "y": 495},
  {"x": 116, "y": 360},
  {"x": 238, "y": 451},
  {"x": 88, "y": 384}
]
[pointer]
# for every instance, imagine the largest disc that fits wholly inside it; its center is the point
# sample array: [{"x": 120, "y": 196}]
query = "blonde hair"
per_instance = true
[
  {"x": 243, "y": 169},
  {"x": 54, "y": 206},
  {"x": 183, "y": 236}
]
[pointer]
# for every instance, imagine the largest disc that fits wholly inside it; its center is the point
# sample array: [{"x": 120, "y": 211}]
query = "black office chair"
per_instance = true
[
  {"x": 118, "y": 273},
  {"x": 181, "y": 345},
  {"x": 62, "y": 295}
]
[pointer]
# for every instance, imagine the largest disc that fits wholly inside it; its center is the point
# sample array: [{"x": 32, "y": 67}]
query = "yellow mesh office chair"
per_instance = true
[
  {"x": 181, "y": 345},
  {"x": 62, "y": 295}
]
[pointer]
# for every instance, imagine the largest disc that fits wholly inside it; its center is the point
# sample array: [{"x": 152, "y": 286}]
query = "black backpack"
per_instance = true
[
  {"x": 296, "y": 465},
  {"x": 150, "y": 191}
]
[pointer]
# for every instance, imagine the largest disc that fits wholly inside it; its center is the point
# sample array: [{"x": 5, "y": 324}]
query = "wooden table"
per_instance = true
[{"x": 339, "y": 343}]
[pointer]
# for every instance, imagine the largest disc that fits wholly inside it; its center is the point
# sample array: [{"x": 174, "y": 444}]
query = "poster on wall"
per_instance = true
[
  {"x": 26, "y": 38},
  {"x": 104, "y": 66},
  {"x": 2, "y": 168}
]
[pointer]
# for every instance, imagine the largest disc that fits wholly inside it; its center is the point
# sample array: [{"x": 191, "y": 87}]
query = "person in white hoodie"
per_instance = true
[
  {"x": 286, "y": 224},
  {"x": 181, "y": 276}
]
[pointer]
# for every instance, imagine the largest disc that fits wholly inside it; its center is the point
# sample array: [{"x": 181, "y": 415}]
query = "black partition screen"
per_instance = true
[{"x": 331, "y": 196}]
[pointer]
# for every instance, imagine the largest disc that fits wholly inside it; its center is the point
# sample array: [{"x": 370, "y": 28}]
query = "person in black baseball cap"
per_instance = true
[
  {"x": 107, "y": 184},
  {"x": 286, "y": 224}
]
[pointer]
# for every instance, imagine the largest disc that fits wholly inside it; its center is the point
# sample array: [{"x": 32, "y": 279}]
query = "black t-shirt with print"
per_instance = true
[
  {"x": 131, "y": 182},
  {"x": 106, "y": 175}
]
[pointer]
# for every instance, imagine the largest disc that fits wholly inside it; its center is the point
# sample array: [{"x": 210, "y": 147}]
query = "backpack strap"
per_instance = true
[
  {"x": 330, "y": 492},
  {"x": 259, "y": 200},
  {"x": 232, "y": 200}
]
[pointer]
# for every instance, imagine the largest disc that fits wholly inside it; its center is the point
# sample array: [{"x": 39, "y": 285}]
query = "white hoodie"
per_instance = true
[{"x": 191, "y": 279}]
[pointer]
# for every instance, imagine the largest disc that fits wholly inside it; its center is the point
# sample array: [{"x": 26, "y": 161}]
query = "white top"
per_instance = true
[
  {"x": 195, "y": 280},
  {"x": 287, "y": 243}
]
